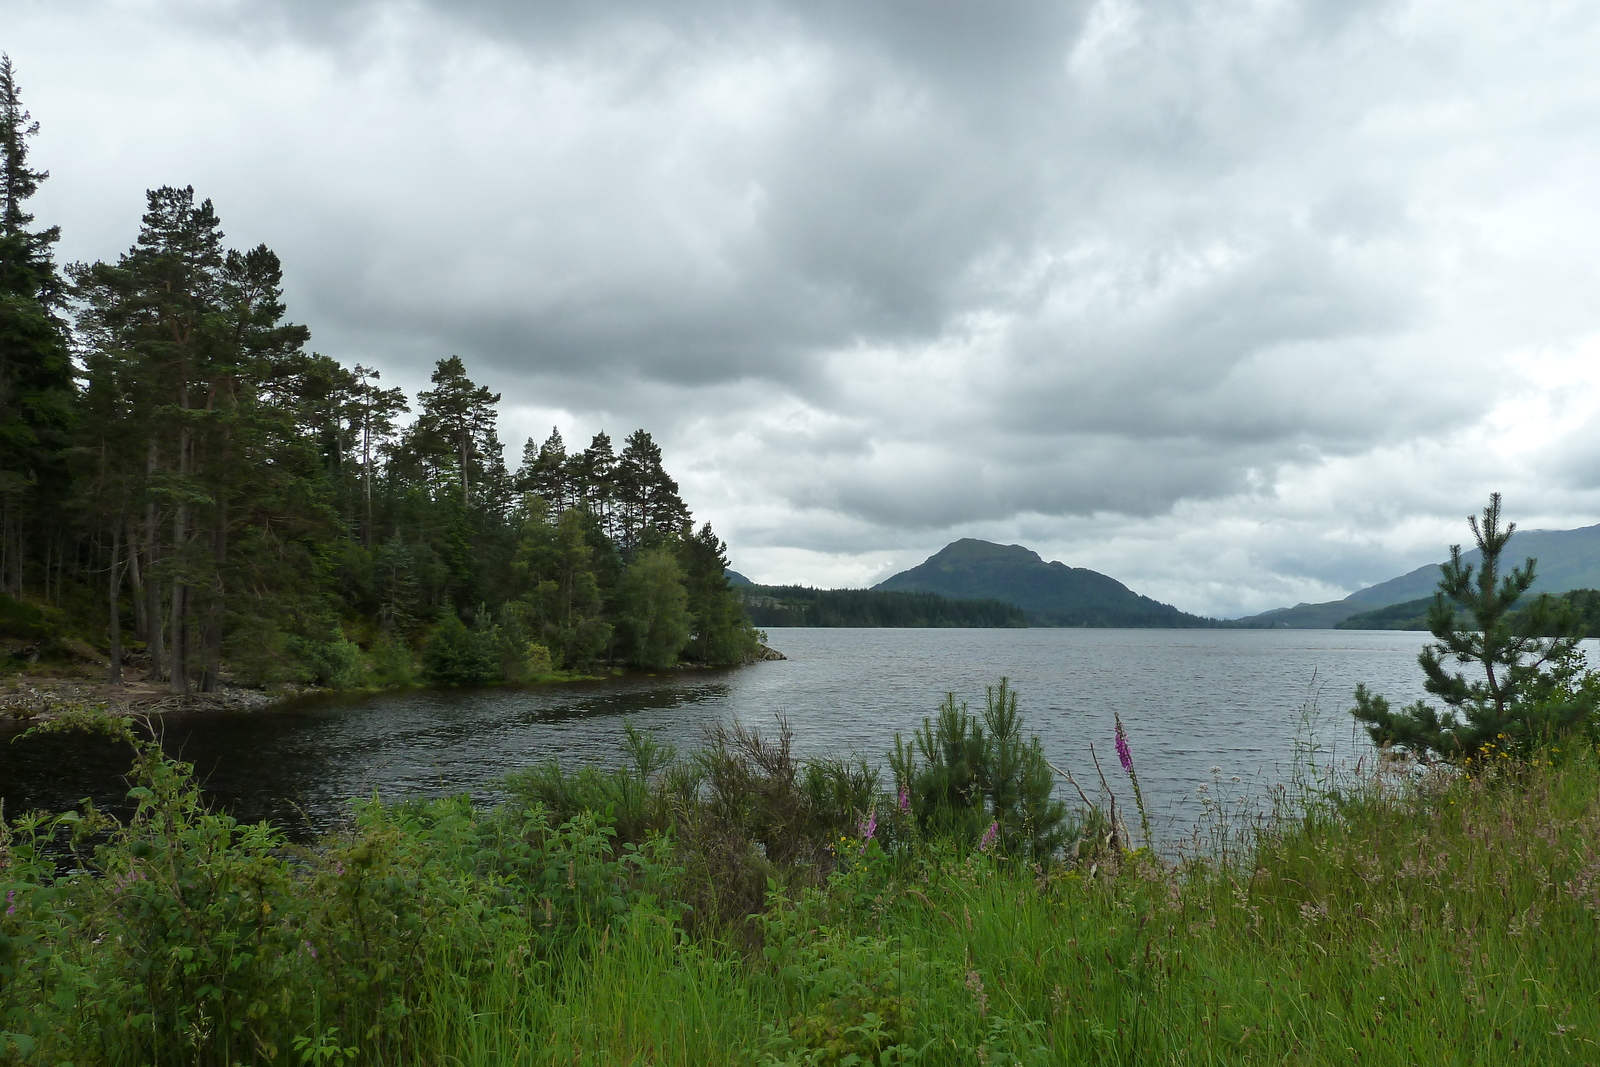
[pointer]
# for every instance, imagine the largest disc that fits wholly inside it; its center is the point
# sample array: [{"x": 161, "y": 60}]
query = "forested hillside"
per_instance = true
[
  {"x": 1051, "y": 594},
  {"x": 796, "y": 605},
  {"x": 188, "y": 487}
]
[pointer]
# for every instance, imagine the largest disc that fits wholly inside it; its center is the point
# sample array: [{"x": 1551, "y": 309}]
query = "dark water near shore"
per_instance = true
[{"x": 1191, "y": 700}]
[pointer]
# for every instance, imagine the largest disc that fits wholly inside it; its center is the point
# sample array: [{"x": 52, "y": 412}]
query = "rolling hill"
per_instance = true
[
  {"x": 1568, "y": 559},
  {"x": 1052, "y": 594}
]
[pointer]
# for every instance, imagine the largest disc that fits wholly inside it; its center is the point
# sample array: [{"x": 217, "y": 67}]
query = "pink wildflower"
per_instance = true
[
  {"x": 310, "y": 948},
  {"x": 975, "y": 983},
  {"x": 11, "y": 896},
  {"x": 905, "y": 799},
  {"x": 869, "y": 826},
  {"x": 989, "y": 837},
  {"x": 1124, "y": 753}
]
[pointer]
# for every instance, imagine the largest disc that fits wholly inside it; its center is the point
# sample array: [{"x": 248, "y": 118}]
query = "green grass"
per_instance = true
[
  {"x": 1448, "y": 923},
  {"x": 1415, "y": 918}
]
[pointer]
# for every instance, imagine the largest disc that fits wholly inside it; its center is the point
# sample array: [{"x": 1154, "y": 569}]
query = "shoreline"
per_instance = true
[{"x": 26, "y": 698}]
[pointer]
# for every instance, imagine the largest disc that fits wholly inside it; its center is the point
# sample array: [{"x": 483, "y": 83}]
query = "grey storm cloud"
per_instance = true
[{"x": 1243, "y": 303}]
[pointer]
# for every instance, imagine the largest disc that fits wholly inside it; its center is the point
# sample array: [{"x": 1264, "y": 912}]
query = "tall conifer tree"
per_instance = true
[{"x": 36, "y": 377}]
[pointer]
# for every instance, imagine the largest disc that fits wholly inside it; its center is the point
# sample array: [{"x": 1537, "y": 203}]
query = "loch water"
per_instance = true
[{"x": 1240, "y": 701}]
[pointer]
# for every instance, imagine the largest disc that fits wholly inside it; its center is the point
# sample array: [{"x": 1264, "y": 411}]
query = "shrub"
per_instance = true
[
  {"x": 392, "y": 663},
  {"x": 978, "y": 781},
  {"x": 456, "y": 655},
  {"x": 333, "y": 662}
]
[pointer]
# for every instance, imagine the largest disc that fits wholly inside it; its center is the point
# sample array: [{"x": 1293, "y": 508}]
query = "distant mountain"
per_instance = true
[
  {"x": 1568, "y": 559},
  {"x": 736, "y": 579},
  {"x": 1406, "y": 615},
  {"x": 1413, "y": 614},
  {"x": 1053, "y": 594},
  {"x": 1302, "y": 616}
]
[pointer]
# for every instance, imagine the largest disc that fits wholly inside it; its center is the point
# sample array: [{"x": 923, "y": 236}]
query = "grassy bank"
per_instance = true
[{"x": 1411, "y": 917}]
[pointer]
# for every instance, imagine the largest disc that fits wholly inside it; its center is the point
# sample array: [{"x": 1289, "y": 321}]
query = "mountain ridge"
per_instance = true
[
  {"x": 1053, "y": 594},
  {"x": 1567, "y": 560}
]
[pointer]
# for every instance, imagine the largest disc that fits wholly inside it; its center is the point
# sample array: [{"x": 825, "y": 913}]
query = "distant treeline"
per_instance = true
[
  {"x": 795, "y": 605},
  {"x": 1413, "y": 614}
]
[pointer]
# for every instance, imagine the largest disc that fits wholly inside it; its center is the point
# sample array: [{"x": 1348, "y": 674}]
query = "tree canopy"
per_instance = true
[{"x": 207, "y": 497}]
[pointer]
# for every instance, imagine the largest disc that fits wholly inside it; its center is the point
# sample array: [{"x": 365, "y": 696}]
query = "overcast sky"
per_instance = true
[{"x": 1244, "y": 303}]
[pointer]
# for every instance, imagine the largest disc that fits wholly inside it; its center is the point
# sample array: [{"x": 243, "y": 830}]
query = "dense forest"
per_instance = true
[
  {"x": 795, "y": 605},
  {"x": 187, "y": 486}
]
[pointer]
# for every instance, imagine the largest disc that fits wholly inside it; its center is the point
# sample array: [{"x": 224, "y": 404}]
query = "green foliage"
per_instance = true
[
  {"x": 182, "y": 936},
  {"x": 1530, "y": 684},
  {"x": 855, "y": 992},
  {"x": 258, "y": 651},
  {"x": 979, "y": 781},
  {"x": 720, "y": 630},
  {"x": 392, "y": 662},
  {"x": 652, "y": 611},
  {"x": 1409, "y": 917},
  {"x": 37, "y": 413},
  {"x": 555, "y": 563},
  {"x": 456, "y": 655},
  {"x": 327, "y": 657}
]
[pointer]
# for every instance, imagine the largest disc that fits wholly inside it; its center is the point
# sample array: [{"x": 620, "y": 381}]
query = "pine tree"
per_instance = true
[
  {"x": 720, "y": 631},
  {"x": 555, "y": 565},
  {"x": 545, "y": 471},
  {"x": 377, "y": 411},
  {"x": 649, "y": 509},
  {"x": 1521, "y": 694},
  {"x": 37, "y": 391},
  {"x": 593, "y": 474},
  {"x": 458, "y": 423}
]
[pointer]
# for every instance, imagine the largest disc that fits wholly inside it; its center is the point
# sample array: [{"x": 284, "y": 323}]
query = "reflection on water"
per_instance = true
[{"x": 1191, "y": 699}]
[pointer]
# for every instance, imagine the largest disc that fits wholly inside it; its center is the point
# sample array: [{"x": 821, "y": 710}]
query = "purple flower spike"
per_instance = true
[
  {"x": 869, "y": 827},
  {"x": 988, "y": 839},
  {"x": 11, "y": 896},
  {"x": 905, "y": 799},
  {"x": 1124, "y": 753}
]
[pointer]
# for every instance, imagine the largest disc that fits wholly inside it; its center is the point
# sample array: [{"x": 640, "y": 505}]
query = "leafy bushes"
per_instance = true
[
  {"x": 186, "y": 937},
  {"x": 456, "y": 655},
  {"x": 1413, "y": 916}
]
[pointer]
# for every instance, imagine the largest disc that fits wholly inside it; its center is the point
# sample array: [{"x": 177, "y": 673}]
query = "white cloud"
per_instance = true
[{"x": 1240, "y": 303}]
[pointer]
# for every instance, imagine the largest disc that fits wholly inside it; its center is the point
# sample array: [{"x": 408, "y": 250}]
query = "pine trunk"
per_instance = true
[
  {"x": 178, "y": 674},
  {"x": 152, "y": 588},
  {"x": 114, "y": 605}
]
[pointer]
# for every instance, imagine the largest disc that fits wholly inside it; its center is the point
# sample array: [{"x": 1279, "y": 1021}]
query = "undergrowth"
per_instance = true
[{"x": 1411, "y": 915}]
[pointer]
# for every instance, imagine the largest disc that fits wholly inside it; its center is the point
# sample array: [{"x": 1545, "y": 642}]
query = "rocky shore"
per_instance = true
[{"x": 38, "y": 697}]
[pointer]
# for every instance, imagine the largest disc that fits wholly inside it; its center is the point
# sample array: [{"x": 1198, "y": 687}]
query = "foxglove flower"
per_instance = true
[{"x": 1124, "y": 753}]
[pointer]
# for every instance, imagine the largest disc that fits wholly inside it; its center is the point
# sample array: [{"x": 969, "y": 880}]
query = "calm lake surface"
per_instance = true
[{"x": 1190, "y": 699}]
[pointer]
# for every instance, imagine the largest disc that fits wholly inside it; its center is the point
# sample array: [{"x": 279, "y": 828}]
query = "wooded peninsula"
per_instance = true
[{"x": 187, "y": 487}]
